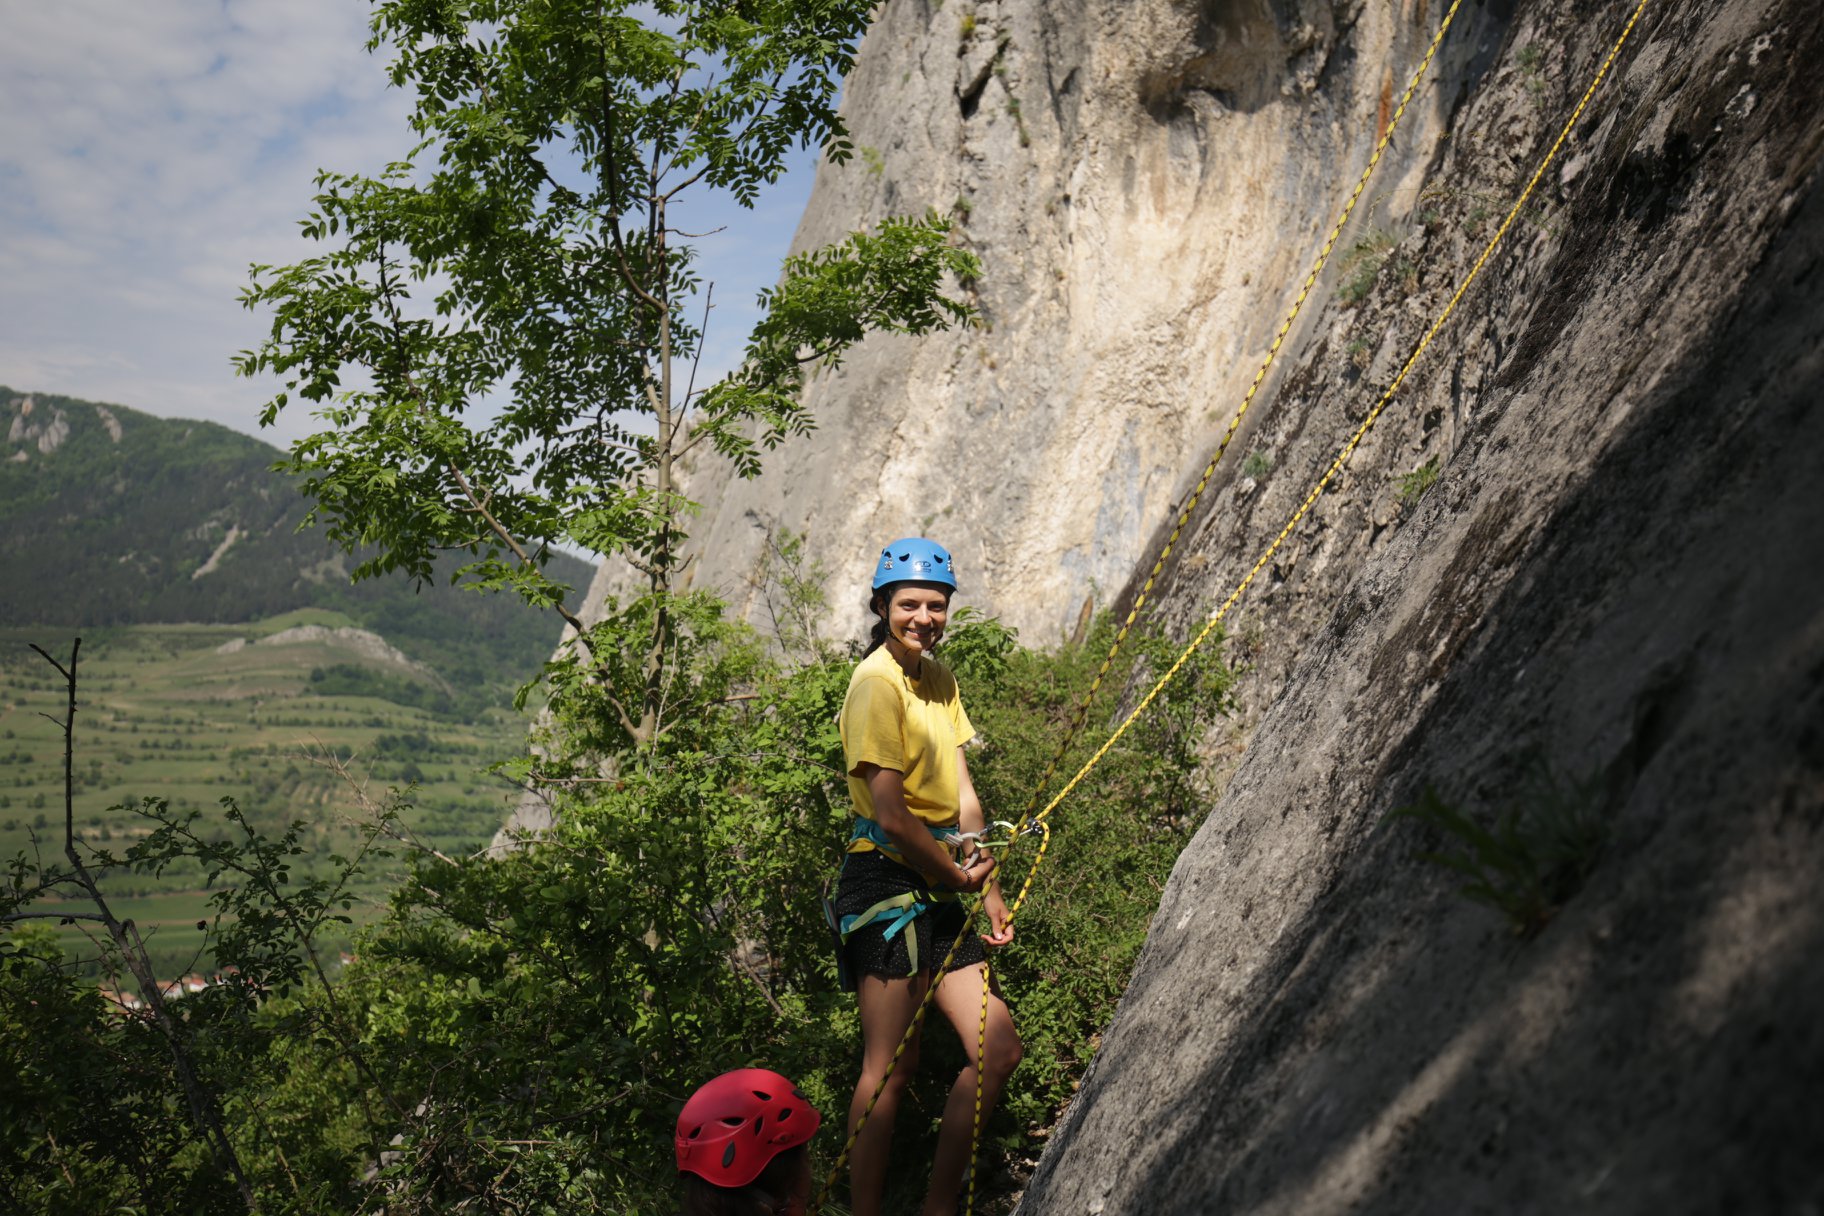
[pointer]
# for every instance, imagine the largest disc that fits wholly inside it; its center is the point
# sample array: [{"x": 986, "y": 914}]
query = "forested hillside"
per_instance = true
[{"x": 110, "y": 516}]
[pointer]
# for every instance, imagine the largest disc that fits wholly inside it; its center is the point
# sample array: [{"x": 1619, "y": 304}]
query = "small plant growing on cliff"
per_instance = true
[
  {"x": 967, "y": 26},
  {"x": 1410, "y": 487},
  {"x": 1014, "y": 110},
  {"x": 1257, "y": 465},
  {"x": 1362, "y": 264},
  {"x": 1539, "y": 852},
  {"x": 1360, "y": 352},
  {"x": 875, "y": 163}
]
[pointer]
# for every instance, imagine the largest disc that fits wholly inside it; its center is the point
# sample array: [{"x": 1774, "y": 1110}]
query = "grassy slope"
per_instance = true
[{"x": 163, "y": 714}]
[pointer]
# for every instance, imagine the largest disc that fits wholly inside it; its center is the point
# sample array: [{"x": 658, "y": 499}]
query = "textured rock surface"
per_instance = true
[
  {"x": 1146, "y": 182},
  {"x": 1621, "y": 571}
]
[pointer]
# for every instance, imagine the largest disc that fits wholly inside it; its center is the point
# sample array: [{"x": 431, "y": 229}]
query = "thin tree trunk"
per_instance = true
[{"x": 125, "y": 935}]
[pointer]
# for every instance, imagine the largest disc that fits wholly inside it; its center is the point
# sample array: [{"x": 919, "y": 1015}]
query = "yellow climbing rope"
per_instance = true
[
  {"x": 1348, "y": 448},
  {"x": 1184, "y": 515},
  {"x": 1241, "y": 588},
  {"x": 1209, "y": 469}
]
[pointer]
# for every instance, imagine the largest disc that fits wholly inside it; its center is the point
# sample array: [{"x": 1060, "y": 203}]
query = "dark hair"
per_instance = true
[
  {"x": 761, "y": 1197},
  {"x": 877, "y": 635}
]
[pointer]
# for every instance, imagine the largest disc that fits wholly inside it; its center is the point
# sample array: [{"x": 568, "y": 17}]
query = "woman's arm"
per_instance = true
[
  {"x": 968, "y": 805},
  {"x": 972, "y": 819},
  {"x": 887, "y": 790}
]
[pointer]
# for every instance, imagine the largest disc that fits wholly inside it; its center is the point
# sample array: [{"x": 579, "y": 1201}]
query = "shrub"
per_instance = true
[
  {"x": 1410, "y": 487},
  {"x": 1361, "y": 265}
]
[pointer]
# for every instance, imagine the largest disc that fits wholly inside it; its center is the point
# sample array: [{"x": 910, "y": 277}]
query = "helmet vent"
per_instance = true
[
  {"x": 763, "y": 1095},
  {"x": 728, "y": 1155}
]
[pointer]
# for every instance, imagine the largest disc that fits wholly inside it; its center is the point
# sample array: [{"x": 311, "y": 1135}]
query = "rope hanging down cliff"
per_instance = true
[
  {"x": 1027, "y": 818},
  {"x": 1080, "y": 715}
]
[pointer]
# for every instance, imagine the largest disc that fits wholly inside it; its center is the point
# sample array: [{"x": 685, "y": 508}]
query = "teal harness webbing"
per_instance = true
[
  {"x": 874, "y": 834},
  {"x": 898, "y": 913}
]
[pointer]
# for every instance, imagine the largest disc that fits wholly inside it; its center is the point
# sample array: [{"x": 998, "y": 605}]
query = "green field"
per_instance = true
[{"x": 196, "y": 713}]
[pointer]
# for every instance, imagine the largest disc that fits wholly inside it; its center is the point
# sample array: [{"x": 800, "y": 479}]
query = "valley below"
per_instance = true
[{"x": 295, "y": 717}]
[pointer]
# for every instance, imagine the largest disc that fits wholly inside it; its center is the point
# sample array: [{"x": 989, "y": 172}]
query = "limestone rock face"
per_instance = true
[
  {"x": 1146, "y": 182},
  {"x": 363, "y": 642},
  {"x": 1619, "y": 576},
  {"x": 36, "y": 429}
]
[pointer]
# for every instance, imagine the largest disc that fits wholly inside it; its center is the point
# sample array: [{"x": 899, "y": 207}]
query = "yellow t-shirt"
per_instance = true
[{"x": 912, "y": 726}]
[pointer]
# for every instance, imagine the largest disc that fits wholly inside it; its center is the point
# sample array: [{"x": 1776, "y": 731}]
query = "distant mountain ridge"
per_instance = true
[{"x": 111, "y": 516}]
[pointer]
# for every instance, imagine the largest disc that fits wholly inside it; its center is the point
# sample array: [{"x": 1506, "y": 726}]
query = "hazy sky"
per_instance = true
[{"x": 151, "y": 149}]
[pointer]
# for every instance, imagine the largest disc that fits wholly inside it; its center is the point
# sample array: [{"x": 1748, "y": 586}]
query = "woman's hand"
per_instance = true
[
  {"x": 1000, "y": 924},
  {"x": 973, "y": 873}
]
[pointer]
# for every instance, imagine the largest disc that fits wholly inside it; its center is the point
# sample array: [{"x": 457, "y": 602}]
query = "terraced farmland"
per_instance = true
[{"x": 261, "y": 713}]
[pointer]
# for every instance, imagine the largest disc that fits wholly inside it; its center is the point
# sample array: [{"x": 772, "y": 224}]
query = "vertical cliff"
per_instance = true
[
  {"x": 1618, "y": 574},
  {"x": 1146, "y": 181}
]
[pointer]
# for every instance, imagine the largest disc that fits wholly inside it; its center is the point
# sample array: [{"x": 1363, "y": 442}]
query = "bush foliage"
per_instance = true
[{"x": 518, "y": 1032}]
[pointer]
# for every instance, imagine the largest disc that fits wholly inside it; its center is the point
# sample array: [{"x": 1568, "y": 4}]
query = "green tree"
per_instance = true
[{"x": 543, "y": 390}]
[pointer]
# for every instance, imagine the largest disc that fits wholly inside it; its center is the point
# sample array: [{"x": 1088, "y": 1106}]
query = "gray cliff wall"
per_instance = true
[
  {"x": 1146, "y": 182},
  {"x": 1621, "y": 573}
]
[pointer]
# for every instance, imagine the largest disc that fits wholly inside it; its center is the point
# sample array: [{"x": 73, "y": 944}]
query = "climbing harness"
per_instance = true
[
  {"x": 1027, "y": 817},
  {"x": 874, "y": 834},
  {"x": 897, "y": 913}
]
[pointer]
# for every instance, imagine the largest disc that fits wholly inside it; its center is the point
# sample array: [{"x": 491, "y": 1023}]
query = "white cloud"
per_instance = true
[{"x": 151, "y": 149}]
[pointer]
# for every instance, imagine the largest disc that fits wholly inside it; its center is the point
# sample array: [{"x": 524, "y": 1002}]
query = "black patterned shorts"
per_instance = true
[{"x": 870, "y": 877}]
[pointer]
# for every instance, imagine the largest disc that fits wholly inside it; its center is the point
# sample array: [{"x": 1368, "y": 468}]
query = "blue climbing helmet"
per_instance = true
[{"x": 913, "y": 559}]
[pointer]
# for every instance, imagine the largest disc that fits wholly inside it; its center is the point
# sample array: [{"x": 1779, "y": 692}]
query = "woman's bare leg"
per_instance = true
[
  {"x": 887, "y": 1006},
  {"x": 959, "y": 998}
]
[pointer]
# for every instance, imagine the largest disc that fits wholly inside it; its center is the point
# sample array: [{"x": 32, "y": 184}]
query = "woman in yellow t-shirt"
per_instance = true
[{"x": 896, "y": 905}]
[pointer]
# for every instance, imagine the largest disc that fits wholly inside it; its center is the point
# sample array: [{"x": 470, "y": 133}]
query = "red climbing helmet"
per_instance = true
[{"x": 732, "y": 1126}]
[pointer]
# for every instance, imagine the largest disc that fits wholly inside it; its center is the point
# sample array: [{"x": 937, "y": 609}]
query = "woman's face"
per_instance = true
[{"x": 915, "y": 615}]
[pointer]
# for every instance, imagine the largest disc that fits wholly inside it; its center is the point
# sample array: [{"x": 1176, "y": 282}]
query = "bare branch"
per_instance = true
[
  {"x": 389, "y": 826},
  {"x": 10, "y": 917},
  {"x": 690, "y": 384},
  {"x": 203, "y": 1108}
]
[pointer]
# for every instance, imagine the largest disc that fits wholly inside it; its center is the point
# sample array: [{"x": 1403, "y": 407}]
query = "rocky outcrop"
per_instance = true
[
  {"x": 362, "y": 642},
  {"x": 36, "y": 429},
  {"x": 110, "y": 422},
  {"x": 1619, "y": 574}
]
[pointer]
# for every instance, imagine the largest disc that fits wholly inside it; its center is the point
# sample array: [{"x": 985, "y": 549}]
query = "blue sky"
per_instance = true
[{"x": 151, "y": 149}]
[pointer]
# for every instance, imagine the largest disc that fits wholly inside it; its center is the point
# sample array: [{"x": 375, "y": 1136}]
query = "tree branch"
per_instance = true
[
  {"x": 690, "y": 384},
  {"x": 10, "y": 917},
  {"x": 126, "y": 938}
]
